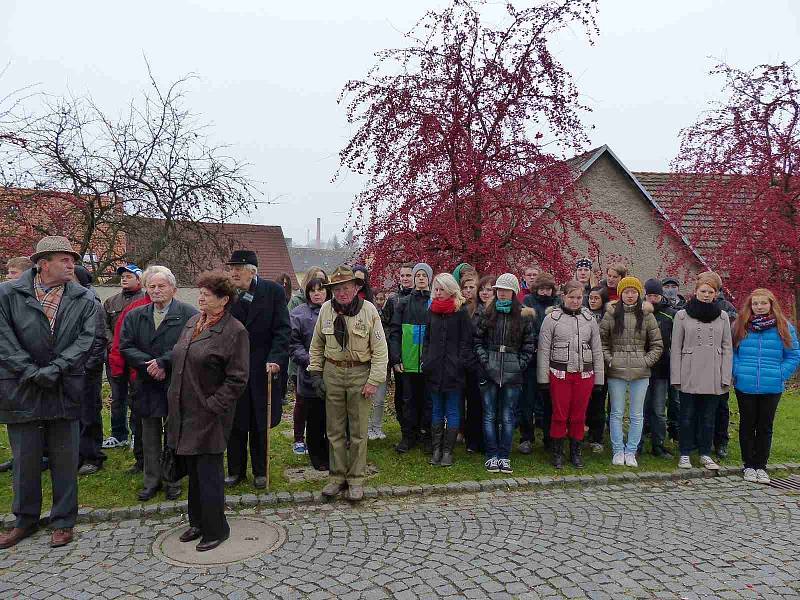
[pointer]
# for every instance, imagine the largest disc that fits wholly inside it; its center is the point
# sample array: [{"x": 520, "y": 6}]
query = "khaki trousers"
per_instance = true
[{"x": 345, "y": 404}]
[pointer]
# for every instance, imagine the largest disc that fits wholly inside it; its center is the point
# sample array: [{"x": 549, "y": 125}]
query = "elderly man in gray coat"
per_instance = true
[{"x": 47, "y": 325}]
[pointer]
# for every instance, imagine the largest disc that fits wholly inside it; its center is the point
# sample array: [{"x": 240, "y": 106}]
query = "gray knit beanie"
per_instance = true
[{"x": 428, "y": 271}]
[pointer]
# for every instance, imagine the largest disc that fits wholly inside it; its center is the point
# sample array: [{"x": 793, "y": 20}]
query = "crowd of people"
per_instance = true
[{"x": 474, "y": 357}]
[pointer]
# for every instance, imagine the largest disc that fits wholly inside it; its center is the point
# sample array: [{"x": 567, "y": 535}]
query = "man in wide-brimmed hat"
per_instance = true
[
  {"x": 348, "y": 360},
  {"x": 47, "y": 325},
  {"x": 262, "y": 310}
]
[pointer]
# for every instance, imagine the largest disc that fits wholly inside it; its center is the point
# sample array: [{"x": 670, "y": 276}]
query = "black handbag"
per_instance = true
[{"x": 173, "y": 466}]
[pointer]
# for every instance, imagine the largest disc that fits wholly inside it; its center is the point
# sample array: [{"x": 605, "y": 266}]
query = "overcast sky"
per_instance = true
[{"x": 269, "y": 73}]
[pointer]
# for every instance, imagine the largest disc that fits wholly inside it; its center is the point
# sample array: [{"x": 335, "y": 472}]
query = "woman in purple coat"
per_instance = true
[{"x": 302, "y": 319}]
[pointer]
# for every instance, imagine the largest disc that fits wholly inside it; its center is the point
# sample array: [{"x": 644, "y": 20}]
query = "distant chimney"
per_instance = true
[{"x": 319, "y": 232}]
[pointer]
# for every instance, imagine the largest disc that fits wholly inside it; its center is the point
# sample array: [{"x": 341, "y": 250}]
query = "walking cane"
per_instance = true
[{"x": 269, "y": 416}]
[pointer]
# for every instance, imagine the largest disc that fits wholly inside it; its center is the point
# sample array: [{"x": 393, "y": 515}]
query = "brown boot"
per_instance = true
[
  {"x": 61, "y": 537},
  {"x": 355, "y": 493},
  {"x": 15, "y": 536},
  {"x": 333, "y": 489}
]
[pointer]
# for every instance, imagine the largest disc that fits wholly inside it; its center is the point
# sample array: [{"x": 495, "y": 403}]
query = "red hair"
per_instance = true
[{"x": 740, "y": 328}]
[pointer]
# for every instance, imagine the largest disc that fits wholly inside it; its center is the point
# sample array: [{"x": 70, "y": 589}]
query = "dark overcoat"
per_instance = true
[
  {"x": 209, "y": 374},
  {"x": 447, "y": 350},
  {"x": 266, "y": 319},
  {"x": 27, "y": 345},
  {"x": 140, "y": 342}
]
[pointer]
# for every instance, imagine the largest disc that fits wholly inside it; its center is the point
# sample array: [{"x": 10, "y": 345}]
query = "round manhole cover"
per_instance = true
[{"x": 249, "y": 537}]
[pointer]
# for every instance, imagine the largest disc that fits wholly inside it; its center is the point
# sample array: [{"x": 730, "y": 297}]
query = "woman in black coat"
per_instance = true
[
  {"x": 446, "y": 353},
  {"x": 210, "y": 369}
]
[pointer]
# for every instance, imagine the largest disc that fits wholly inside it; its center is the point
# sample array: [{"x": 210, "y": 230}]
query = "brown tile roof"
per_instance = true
[
  {"x": 705, "y": 232},
  {"x": 268, "y": 243}
]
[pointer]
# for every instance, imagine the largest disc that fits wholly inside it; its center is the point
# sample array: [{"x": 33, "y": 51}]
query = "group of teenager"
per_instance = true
[{"x": 473, "y": 358}]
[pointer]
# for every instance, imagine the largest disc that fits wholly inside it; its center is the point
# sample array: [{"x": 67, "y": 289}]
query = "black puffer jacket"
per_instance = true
[
  {"x": 447, "y": 350},
  {"x": 503, "y": 357},
  {"x": 540, "y": 304},
  {"x": 41, "y": 373}
]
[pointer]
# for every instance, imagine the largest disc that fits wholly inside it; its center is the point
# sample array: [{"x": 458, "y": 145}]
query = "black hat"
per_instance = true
[
  {"x": 670, "y": 281},
  {"x": 653, "y": 286},
  {"x": 584, "y": 263},
  {"x": 243, "y": 257}
]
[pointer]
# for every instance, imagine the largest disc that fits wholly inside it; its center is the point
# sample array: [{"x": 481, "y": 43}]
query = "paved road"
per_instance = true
[{"x": 694, "y": 539}]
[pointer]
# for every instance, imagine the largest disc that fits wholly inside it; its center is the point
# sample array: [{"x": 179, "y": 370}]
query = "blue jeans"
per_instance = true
[
  {"x": 446, "y": 405},
  {"x": 698, "y": 413},
  {"x": 655, "y": 409},
  {"x": 499, "y": 406},
  {"x": 616, "y": 391}
]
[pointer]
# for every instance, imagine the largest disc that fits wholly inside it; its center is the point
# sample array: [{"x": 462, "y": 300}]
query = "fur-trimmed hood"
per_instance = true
[{"x": 527, "y": 312}]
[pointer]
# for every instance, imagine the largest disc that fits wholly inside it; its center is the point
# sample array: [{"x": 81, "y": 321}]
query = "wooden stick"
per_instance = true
[{"x": 269, "y": 417}]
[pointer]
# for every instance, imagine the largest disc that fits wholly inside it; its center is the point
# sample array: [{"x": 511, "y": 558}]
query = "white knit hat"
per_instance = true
[{"x": 507, "y": 281}]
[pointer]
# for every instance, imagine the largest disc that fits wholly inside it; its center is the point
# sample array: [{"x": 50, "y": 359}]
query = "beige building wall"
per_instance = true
[{"x": 612, "y": 191}]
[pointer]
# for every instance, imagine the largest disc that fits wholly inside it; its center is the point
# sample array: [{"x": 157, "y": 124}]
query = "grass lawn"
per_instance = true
[{"x": 113, "y": 487}]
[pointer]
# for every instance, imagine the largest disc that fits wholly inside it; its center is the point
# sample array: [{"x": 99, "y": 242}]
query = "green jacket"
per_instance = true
[{"x": 631, "y": 354}]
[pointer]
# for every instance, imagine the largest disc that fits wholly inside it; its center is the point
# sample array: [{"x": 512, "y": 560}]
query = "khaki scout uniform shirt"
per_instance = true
[{"x": 366, "y": 341}]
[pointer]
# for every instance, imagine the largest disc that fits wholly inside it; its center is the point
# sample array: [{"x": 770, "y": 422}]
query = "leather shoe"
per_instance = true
[
  {"x": 355, "y": 493},
  {"x": 333, "y": 489},
  {"x": 148, "y": 493},
  {"x": 232, "y": 480},
  {"x": 210, "y": 544},
  {"x": 16, "y": 535},
  {"x": 6, "y": 466},
  {"x": 260, "y": 482},
  {"x": 173, "y": 493},
  {"x": 88, "y": 469},
  {"x": 61, "y": 537},
  {"x": 191, "y": 534}
]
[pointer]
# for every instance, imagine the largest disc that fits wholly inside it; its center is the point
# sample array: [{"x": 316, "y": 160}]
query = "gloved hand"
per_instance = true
[
  {"x": 544, "y": 387},
  {"x": 47, "y": 377},
  {"x": 318, "y": 383},
  {"x": 597, "y": 388}
]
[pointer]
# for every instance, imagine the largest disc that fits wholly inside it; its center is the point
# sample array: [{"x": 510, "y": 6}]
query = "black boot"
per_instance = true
[
  {"x": 448, "y": 446},
  {"x": 558, "y": 452},
  {"x": 659, "y": 450},
  {"x": 575, "y": 456},
  {"x": 407, "y": 443},
  {"x": 427, "y": 442},
  {"x": 437, "y": 434}
]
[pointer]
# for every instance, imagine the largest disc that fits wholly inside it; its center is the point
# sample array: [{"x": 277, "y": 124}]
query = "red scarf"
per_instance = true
[{"x": 443, "y": 307}]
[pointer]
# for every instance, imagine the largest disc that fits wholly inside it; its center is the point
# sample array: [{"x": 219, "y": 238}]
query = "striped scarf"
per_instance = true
[{"x": 49, "y": 298}]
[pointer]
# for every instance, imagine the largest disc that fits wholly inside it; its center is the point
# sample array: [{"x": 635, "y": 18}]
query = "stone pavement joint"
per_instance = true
[{"x": 669, "y": 539}]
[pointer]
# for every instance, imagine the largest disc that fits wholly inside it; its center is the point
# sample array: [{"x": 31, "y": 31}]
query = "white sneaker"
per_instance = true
[
  {"x": 685, "y": 462},
  {"x": 372, "y": 435},
  {"x": 492, "y": 465},
  {"x": 112, "y": 442},
  {"x": 761, "y": 476},
  {"x": 630, "y": 460},
  {"x": 709, "y": 463},
  {"x": 596, "y": 448},
  {"x": 381, "y": 435},
  {"x": 618, "y": 459},
  {"x": 750, "y": 475}
]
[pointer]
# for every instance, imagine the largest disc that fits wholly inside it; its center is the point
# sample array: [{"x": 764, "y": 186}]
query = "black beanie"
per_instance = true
[
  {"x": 83, "y": 276},
  {"x": 653, "y": 286}
]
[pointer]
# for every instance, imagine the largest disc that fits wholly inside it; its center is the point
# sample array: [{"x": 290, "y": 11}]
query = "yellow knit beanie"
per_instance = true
[{"x": 630, "y": 282}]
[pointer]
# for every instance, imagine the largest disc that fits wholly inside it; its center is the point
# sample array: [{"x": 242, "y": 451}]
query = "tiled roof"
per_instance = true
[
  {"x": 304, "y": 258},
  {"x": 705, "y": 232},
  {"x": 268, "y": 243}
]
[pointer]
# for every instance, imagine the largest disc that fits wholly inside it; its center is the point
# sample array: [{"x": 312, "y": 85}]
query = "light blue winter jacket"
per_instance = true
[{"x": 762, "y": 364}]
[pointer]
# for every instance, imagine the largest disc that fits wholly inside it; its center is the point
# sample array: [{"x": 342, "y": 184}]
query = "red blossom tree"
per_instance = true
[
  {"x": 457, "y": 136},
  {"x": 738, "y": 182}
]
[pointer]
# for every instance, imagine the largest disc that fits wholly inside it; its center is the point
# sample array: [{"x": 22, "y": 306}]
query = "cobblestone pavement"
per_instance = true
[{"x": 710, "y": 538}]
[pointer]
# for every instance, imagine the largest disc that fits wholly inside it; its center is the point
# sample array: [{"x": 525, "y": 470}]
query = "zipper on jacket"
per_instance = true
[
  {"x": 580, "y": 348},
  {"x": 503, "y": 350},
  {"x": 758, "y": 366}
]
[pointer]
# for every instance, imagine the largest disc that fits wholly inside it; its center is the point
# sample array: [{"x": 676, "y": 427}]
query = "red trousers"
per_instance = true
[{"x": 570, "y": 398}]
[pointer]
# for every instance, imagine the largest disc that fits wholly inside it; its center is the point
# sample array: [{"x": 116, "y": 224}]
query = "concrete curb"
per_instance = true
[{"x": 139, "y": 511}]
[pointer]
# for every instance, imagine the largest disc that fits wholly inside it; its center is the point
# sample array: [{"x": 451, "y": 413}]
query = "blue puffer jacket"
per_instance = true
[{"x": 762, "y": 364}]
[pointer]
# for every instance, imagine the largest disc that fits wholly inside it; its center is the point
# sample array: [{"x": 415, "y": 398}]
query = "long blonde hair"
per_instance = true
[{"x": 449, "y": 284}]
